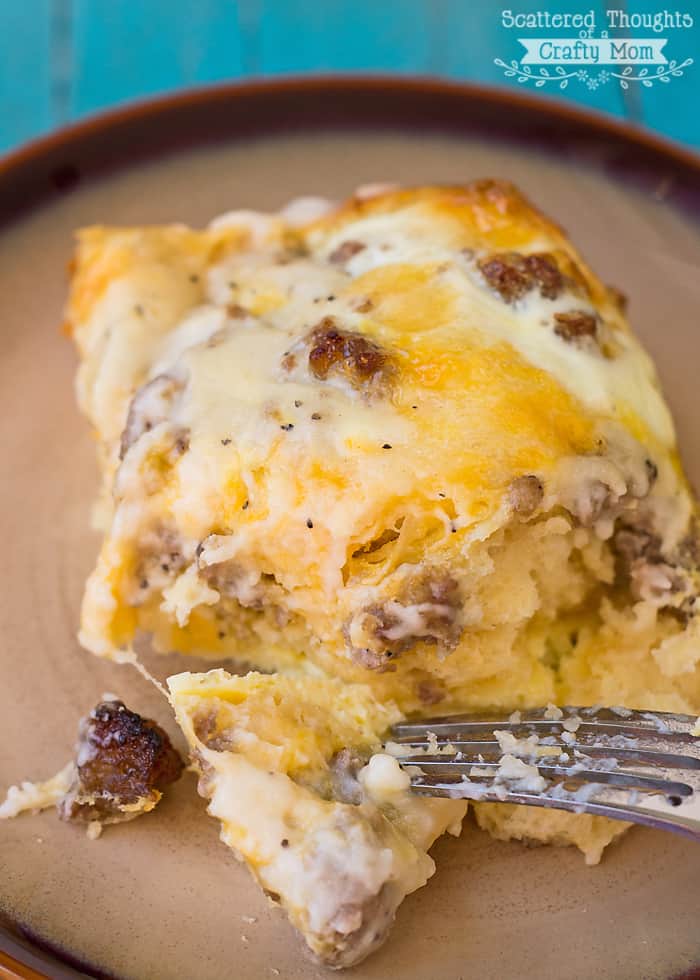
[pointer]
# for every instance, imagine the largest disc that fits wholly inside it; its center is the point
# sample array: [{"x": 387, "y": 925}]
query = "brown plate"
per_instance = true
[{"x": 162, "y": 898}]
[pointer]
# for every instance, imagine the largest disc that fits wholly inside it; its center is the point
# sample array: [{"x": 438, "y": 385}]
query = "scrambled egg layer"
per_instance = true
[{"x": 409, "y": 449}]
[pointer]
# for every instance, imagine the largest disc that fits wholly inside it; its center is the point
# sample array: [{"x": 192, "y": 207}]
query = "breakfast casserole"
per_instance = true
[{"x": 402, "y": 456}]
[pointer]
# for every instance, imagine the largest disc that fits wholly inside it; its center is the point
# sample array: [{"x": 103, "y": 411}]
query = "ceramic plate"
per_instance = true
[{"x": 161, "y": 897}]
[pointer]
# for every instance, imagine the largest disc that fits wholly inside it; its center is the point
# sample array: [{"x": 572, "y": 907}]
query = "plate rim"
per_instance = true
[{"x": 44, "y": 167}]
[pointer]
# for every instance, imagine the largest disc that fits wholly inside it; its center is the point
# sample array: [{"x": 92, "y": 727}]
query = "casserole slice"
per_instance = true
[
  {"x": 293, "y": 770},
  {"x": 410, "y": 443}
]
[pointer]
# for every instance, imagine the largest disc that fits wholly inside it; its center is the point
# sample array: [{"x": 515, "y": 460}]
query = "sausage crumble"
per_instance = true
[
  {"x": 431, "y": 690},
  {"x": 512, "y": 275},
  {"x": 427, "y": 609},
  {"x": 150, "y": 406},
  {"x": 664, "y": 578},
  {"x": 123, "y": 764},
  {"x": 345, "y": 251},
  {"x": 344, "y": 769},
  {"x": 159, "y": 559},
  {"x": 575, "y": 326},
  {"x": 525, "y": 494},
  {"x": 333, "y": 351}
]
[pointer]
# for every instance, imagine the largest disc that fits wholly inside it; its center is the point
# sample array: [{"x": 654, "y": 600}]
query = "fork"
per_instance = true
[{"x": 640, "y": 766}]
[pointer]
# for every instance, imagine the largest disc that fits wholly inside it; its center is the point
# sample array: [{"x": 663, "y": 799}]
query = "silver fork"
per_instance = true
[{"x": 640, "y": 766}]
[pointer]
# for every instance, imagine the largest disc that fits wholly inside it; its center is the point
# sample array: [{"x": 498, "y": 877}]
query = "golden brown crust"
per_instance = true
[{"x": 486, "y": 204}]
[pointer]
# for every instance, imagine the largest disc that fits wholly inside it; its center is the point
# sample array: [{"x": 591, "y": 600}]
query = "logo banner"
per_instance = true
[{"x": 593, "y": 51}]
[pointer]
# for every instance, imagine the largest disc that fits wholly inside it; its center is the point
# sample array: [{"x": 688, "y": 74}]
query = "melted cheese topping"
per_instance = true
[
  {"x": 438, "y": 286},
  {"x": 483, "y": 390}
]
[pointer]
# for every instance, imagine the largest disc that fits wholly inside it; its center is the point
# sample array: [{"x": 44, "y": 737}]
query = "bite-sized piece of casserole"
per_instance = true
[
  {"x": 293, "y": 770},
  {"x": 411, "y": 443},
  {"x": 123, "y": 762}
]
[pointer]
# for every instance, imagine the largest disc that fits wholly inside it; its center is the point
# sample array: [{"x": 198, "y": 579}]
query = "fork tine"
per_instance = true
[
  {"x": 469, "y": 750},
  {"x": 630, "y": 729},
  {"x": 625, "y": 780},
  {"x": 455, "y": 726},
  {"x": 688, "y": 826},
  {"x": 615, "y": 716},
  {"x": 451, "y": 784}
]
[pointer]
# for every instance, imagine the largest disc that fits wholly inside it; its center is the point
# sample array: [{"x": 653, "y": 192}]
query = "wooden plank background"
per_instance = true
[{"x": 62, "y": 59}]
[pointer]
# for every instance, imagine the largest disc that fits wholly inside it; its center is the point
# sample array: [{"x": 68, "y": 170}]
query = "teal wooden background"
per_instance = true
[{"x": 63, "y": 59}]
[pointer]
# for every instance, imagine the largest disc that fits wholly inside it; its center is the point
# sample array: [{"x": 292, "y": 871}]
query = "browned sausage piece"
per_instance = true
[
  {"x": 123, "y": 764},
  {"x": 526, "y": 494},
  {"x": 345, "y": 251},
  {"x": 343, "y": 352},
  {"x": 513, "y": 275},
  {"x": 575, "y": 326}
]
